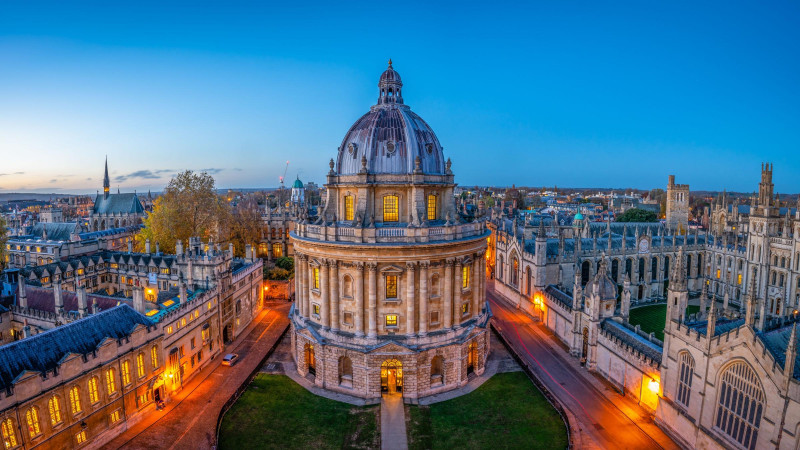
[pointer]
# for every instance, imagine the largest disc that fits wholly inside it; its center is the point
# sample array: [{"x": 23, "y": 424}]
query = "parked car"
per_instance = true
[{"x": 230, "y": 359}]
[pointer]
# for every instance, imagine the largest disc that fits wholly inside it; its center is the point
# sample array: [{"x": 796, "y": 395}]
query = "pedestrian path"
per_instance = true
[{"x": 393, "y": 423}]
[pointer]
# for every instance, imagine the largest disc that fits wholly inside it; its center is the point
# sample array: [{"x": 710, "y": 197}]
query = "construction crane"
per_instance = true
[{"x": 283, "y": 177}]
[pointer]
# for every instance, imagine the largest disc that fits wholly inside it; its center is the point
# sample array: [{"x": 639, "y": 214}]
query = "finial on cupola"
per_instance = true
[{"x": 390, "y": 63}]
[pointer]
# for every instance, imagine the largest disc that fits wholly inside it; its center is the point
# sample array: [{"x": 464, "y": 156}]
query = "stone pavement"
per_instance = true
[
  {"x": 393, "y": 423},
  {"x": 190, "y": 419}
]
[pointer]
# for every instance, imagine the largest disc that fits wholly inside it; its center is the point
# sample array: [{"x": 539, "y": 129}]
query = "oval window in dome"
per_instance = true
[
  {"x": 352, "y": 148},
  {"x": 390, "y": 147},
  {"x": 429, "y": 148}
]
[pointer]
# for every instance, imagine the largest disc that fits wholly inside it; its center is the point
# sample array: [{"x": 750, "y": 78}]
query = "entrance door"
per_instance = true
[
  {"x": 311, "y": 360},
  {"x": 472, "y": 357},
  {"x": 392, "y": 380},
  {"x": 391, "y": 376}
]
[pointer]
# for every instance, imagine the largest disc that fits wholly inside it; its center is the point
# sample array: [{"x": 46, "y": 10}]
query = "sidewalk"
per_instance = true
[
  {"x": 393, "y": 423},
  {"x": 190, "y": 418}
]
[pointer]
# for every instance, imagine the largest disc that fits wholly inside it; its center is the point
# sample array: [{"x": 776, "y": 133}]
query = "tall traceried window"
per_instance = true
[
  {"x": 349, "y": 212},
  {"x": 140, "y": 372},
  {"x": 111, "y": 381},
  {"x": 94, "y": 395},
  {"x": 391, "y": 286},
  {"x": 126, "y": 373},
  {"x": 32, "y": 418},
  {"x": 9, "y": 435},
  {"x": 515, "y": 273},
  {"x": 154, "y": 356},
  {"x": 75, "y": 400},
  {"x": 465, "y": 273},
  {"x": 431, "y": 207},
  {"x": 740, "y": 404},
  {"x": 277, "y": 250},
  {"x": 55, "y": 410},
  {"x": 685, "y": 374},
  {"x": 315, "y": 277},
  {"x": 391, "y": 211}
]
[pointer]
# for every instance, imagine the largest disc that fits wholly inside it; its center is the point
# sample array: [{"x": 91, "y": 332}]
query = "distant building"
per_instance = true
[
  {"x": 51, "y": 215},
  {"x": 115, "y": 210},
  {"x": 677, "y": 206}
]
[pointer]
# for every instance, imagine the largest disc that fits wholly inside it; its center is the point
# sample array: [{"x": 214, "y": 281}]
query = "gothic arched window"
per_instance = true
[
  {"x": 515, "y": 273},
  {"x": 528, "y": 281},
  {"x": 740, "y": 404},
  {"x": 685, "y": 374}
]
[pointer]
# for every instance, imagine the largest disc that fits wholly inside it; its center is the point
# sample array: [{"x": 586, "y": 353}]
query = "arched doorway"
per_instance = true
[
  {"x": 585, "y": 346},
  {"x": 392, "y": 376},
  {"x": 472, "y": 357},
  {"x": 310, "y": 359}
]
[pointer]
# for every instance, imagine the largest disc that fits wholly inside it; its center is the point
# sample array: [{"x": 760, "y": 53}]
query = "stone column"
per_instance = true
[
  {"x": 334, "y": 273},
  {"x": 298, "y": 287},
  {"x": 306, "y": 288},
  {"x": 359, "y": 315},
  {"x": 457, "y": 289},
  {"x": 423, "y": 298},
  {"x": 373, "y": 299},
  {"x": 324, "y": 296},
  {"x": 476, "y": 284},
  {"x": 448, "y": 293},
  {"x": 410, "y": 299}
]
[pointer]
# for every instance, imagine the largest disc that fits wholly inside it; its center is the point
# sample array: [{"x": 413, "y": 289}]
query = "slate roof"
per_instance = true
[
  {"x": 722, "y": 326},
  {"x": 117, "y": 204},
  {"x": 559, "y": 295},
  {"x": 776, "y": 342},
  {"x": 628, "y": 335},
  {"x": 43, "y": 299},
  {"x": 58, "y": 231},
  {"x": 109, "y": 232},
  {"x": 616, "y": 243},
  {"x": 43, "y": 352}
]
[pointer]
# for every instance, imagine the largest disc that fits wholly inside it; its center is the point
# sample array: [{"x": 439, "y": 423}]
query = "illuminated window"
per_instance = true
[
  {"x": 111, "y": 381},
  {"x": 75, "y": 400},
  {"x": 685, "y": 374},
  {"x": 81, "y": 437},
  {"x": 391, "y": 320},
  {"x": 349, "y": 214},
  {"x": 140, "y": 365},
  {"x": 9, "y": 436},
  {"x": 718, "y": 273},
  {"x": 739, "y": 278},
  {"x": 55, "y": 410},
  {"x": 183, "y": 322},
  {"x": 315, "y": 275},
  {"x": 169, "y": 329},
  {"x": 465, "y": 273},
  {"x": 390, "y": 209},
  {"x": 165, "y": 270},
  {"x": 208, "y": 305},
  {"x": 391, "y": 286},
  {"x": 32, "y": 418},
  {"x": 277, "y": 250},
  {"x": 431, "y": 207},
  {"x": 126, "y": 373},
  {"x": 94, "y": 397},
  {"x": 316, "y": 309},
  {"x": 464, "y": 308},
  {"x": 154, "y": 356},
  {"x": 740, "y": 405},
  {"x": 114, "y": 417}
]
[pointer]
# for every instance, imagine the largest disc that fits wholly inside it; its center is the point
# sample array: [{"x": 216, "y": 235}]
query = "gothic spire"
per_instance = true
[{"x": 106, "y": 181}]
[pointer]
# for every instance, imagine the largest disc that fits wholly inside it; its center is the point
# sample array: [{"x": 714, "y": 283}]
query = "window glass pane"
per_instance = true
[
  {"x": 431, "y": 207},
  {"x": 391, "y": 286},
  {"x": 348, "y": 208},
  {"x": 390, "y": 212}
]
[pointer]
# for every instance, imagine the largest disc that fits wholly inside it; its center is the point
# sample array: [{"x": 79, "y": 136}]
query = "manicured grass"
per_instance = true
[
  {"x": 276, "y": 412},
  {"x": 652, "y": 318},
  {"x": 506, "y": 412}
]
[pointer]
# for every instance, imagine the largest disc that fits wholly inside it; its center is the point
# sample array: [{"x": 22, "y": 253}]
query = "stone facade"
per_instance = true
[
  {"x": 390, "y": 292},
  {"x": 677, "y": 206}
]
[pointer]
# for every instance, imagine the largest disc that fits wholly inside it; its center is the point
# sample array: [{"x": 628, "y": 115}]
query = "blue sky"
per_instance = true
[{"x": 558, "y": 93}]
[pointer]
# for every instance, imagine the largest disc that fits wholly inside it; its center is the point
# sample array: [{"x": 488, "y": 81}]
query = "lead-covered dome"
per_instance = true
[{"x": 390, "y": 136}]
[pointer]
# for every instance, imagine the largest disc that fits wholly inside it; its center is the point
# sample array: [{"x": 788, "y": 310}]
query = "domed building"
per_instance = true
[{"x": 390, "y": 278}]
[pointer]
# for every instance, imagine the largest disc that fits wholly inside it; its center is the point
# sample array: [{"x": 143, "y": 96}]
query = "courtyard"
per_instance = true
[{"x": 653, "y": 317}]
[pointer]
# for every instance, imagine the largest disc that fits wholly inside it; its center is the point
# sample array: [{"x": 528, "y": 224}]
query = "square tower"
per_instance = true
[{"x": 677, "y": 206}]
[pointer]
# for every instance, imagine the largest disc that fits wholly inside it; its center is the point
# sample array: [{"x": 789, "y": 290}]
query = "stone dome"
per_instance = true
[
  {"x": 297, "y": 184},
  {"x": 390, "y": 136},
  {"x": 607, "y": 288}
]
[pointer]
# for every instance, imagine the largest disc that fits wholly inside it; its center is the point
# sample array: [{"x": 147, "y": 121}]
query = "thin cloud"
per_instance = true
[
  {"x": 212, "y": 170},
  {"x": 143, "y": 174}
]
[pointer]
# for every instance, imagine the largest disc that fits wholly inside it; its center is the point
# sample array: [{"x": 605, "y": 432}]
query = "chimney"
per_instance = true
[
  {"x": 179, "y": 247},
  {"x": 26, "y": 329},
  {"x": 138, "y": 300},
  {"x": 158, "y": 250},
  {"x": 230, "y": 249},
  {"x": 248, "y": 252},
  {"x": 190, "y": 273},
  {"x": 95, "y": 308},
  {"x": 22, "y": 296},
  {"x": 147, "y": 246},
  {"x": 83, "y": 307},
  {"x": 130, "y": 246},
  {"x": 59, "y": 300},
  {"x": 182, "y": 293}
]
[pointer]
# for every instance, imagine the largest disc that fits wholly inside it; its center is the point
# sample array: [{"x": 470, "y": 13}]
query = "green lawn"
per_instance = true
[
  {"x": 506, "y": 412},
  {"x": 276, "y": 412},
  {"x": 652, "y": 318}
]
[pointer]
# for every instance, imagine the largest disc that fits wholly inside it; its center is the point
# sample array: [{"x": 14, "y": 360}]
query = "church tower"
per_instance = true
[
  {"x": 106, "y": 182},
  {"x": 677, "y": 206}
]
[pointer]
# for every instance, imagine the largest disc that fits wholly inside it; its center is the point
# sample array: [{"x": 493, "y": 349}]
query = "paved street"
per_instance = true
[
  {"x": 190, "y": 419},
  {"x": 603, "y": 418}
]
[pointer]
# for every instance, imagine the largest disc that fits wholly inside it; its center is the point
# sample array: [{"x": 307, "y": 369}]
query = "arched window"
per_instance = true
[
  {"x": 628, "y": 267},
  {"x": 94, "y": 395},
  {"x": 688, "y": 265},
  {"x": 9, "y": 436},
  {"x": 515, "y": 273},
  {"x": 654, "y": 268},
  {"x": 431, "y": 207},
  {"x": 126, "y": 373},
  {"x": 685, "y": 374},
  {"x": 585, "y": 268},
  {"x": 75, "y": 400},
  {"x": 666, "y": 267},
  {"x": 528, "y": 281},
  {"x": 347, "y": 287},
  {"x": 315, "y": 277},
  {"x": 140, "y": 365},
  {"x": 615, "y": 270},
  {"x": 641, "y": 269},
  {"x": 154, "y": 356},
  {"x": 345, "y": 371},
  {"x": 437, "y": 370},
  {"x": 111, "y": 381},
  {"x": 465, "y": 276},
  {"x": 349, "y": 211},
  {"x": 54, "y": 405},
  {"x": 391, "y": 212},
  {"x": 500, "y": 267},
  {"x": 740, "y": 403},
  {"x": 435, "y": 285},
  {"x": 32, "y": 418}
]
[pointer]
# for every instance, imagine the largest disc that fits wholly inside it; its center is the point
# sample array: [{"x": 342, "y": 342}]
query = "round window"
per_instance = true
[{"x": 390, "y": 147}]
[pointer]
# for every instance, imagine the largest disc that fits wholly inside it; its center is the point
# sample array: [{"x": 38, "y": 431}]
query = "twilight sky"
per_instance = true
[{"x": 567, "y": 93}]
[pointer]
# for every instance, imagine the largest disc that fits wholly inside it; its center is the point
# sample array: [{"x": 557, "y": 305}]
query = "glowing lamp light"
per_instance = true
[
  {"x": 170, "y": 375},
  {"x": 653, "y": 385}
]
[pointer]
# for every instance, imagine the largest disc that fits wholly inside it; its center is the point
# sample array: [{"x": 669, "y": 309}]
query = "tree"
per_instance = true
[
  {"x": 189, "y": 207},
  {"x": 637, "y": 215},
  {"x": 243, "y": 225},
  {"x": 3, "y": 239}
]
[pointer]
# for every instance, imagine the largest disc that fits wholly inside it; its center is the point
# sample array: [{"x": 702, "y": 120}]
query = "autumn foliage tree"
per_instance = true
[
  {"x": 243, "y": 225},
  {"x": 189, "y": 206}
]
